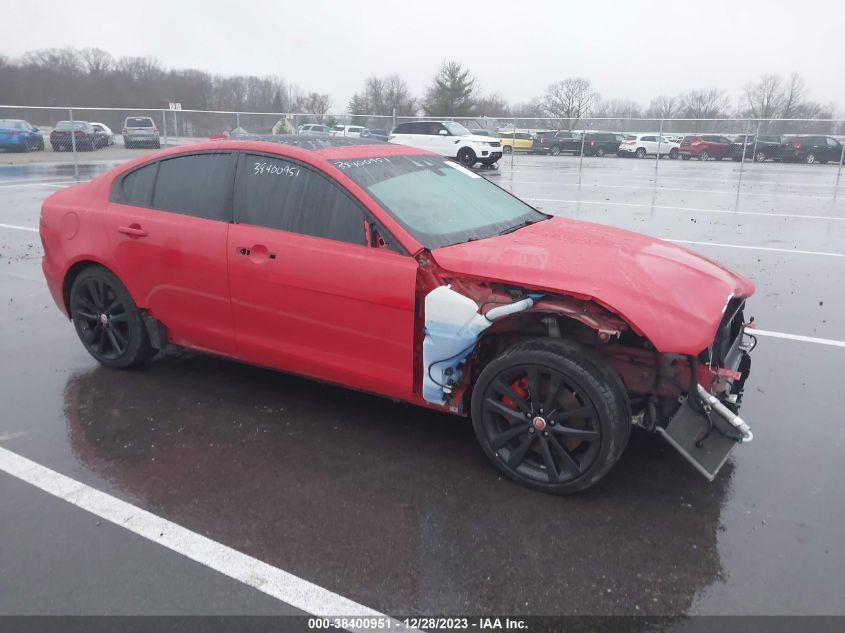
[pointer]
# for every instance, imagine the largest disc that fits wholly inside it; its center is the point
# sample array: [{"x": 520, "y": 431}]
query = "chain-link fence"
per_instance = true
[{"x": 61, "y": 134}]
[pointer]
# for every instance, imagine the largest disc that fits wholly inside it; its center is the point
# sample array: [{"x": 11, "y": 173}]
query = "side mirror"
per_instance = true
[
  {"x": 443, "y": 133},
  {"x": 34, "y": 129}
]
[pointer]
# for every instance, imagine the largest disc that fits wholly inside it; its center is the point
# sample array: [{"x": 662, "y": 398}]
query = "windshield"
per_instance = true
[
  {"x": 436, "y": 200},
  {"x": 139, "y": 122},
  {"x": 456, "y": 129}
]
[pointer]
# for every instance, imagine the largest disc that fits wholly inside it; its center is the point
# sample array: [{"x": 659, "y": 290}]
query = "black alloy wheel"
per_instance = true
[
  {"x": 107, "y": 320},
  {"x": 549, "y": 417}
]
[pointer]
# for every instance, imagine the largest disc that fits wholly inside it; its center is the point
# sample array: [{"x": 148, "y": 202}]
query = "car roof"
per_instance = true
[{"x": 292, "y": 145}]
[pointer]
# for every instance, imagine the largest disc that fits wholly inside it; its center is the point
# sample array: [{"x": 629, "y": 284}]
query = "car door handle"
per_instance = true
[
  {"x": 133, "y": 230},
  {"x": 257, "y": 252}
]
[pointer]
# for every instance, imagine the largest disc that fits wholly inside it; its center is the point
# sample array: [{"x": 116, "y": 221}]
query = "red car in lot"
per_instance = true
[
  {"x": 705, "y": 147},
  {"x": 395, "y": 271}
]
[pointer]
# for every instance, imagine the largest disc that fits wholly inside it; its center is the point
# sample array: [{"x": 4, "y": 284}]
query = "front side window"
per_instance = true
[
  {"x": 455, "y": 129},
  {"x": 197, "y": 184},
  {"x": 436, "y": 200},
  {"x": 832, "y": 142},
  {"x": 282, "y": 194}
]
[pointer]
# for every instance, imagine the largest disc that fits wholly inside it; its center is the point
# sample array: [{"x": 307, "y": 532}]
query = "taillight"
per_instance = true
[
  {"x": 125, "y": 131},
  {"x": 796, "y": 145},
  {"x": 630, "y": 142},
  {"x": 155, "y": 130},
  {"x": 592, "y": 143}
]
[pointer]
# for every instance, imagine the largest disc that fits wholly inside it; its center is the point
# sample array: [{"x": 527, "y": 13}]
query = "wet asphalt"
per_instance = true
[{"x": 395, "y": 507}]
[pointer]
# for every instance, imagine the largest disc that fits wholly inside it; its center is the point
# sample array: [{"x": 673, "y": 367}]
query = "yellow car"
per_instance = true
[{"x": 518, "y": 140}]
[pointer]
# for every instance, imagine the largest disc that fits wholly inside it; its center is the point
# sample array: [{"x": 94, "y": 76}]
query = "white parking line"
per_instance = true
[
  {"x": 694, "y": 209},
  {"x": 797, "y": 337},
  {"x": 295, "y": 591},
  {"x": 793, "y": 251},
  {"x": 726, "y": 192},
  {"x": 18, "y": 228},
  {"x": 43, "y": 184}
]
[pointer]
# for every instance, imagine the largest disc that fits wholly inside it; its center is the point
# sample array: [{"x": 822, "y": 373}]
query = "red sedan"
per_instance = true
[{"x": 398, "y": 272}]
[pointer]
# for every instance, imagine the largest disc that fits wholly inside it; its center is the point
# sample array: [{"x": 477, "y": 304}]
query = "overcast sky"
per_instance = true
[{"x": 628, "y": 49}]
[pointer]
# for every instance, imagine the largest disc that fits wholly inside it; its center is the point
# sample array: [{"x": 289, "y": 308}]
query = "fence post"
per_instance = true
[
  {"x": 581, "y": 160},
  {"x": 164, "y": 125},
  {"x": 756, "y": 138},
  {"x": 237, "y": 120},
  {"x": 393, "y": 125},
  {"x": 742, "y": 162},
  {"x": 838, "y": 173},
  {"x": 513, "y": 144},
  {"x": 73, "y": 146},
  {"x": 659, "y": 142}
]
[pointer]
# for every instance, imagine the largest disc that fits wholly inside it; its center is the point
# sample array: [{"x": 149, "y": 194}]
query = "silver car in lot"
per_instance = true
[
  {"x": 140, "y": 131},
  {"x": 314, "y": 129}
]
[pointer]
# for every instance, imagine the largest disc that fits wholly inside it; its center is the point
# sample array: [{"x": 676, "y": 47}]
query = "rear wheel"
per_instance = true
[
  {"x": 555, "y": 150},
  {"x": 760, "y": 157},
  {"x": 108, "y": 322},
  {"x": 507, "y": 149},
  {"x": 810, "y": 158},
  {"x": 673, "y": 153},
  {"x": 640, "y": 153},
  {"x": 467, "y": 157},
  {"x": 551, "y": 415}
]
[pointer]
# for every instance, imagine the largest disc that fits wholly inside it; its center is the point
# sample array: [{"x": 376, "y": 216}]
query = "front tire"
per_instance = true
[
  {"x": 551, "y": 415},
  {"x": 600, "y": 152},
  {"x": 640, "y": 153},
  {"x": 810, "y": 158},
  {"x": 673, "y": 154},
  {"x": 760, "y": 157},
  {"x": 507, "y": 149},
  {"x": 555, "y": 150},
  {"x": 704, "y": 155},
  {"x": 467, "y": 157},
  {"x": 107, "y": 321}
]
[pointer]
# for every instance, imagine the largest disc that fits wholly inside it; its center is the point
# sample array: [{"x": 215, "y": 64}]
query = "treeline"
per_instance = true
[{"x": 92, "y": 77}]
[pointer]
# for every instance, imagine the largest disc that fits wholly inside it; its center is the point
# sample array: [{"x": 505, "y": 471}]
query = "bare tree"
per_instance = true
[
  {"x": 664, "y": 107},
  {"x": 765, "y": 97},
  {"x": 570, "y": 99},
  {"x": 793, "y": 105},
  {"x": 704, "y": 104}
]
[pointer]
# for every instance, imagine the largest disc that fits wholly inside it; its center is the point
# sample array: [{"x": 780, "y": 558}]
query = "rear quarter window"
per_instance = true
[{"x": 136, "y": 187}]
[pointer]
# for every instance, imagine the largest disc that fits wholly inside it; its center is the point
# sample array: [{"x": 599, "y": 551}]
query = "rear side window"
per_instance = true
[
  {"x": 198, "y": 185},
  {"x": 136, "y": 187},
  {"x": 282, "y": 194}
]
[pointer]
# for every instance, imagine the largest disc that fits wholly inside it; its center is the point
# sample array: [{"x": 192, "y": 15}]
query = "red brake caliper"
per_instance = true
[{"x": 520, "y": 388}]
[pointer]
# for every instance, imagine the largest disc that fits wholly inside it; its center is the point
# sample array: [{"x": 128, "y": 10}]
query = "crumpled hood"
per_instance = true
[{"x": 669, "y": 294}]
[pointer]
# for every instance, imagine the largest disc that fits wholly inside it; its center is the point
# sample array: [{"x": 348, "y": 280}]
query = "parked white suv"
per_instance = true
[
  {"x": 448, "y": 139},
  {"x": 648, "y": 144}
]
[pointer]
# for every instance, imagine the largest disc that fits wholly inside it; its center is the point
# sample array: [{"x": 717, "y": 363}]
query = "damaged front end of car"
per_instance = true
[{"x": 692, "y": 401}]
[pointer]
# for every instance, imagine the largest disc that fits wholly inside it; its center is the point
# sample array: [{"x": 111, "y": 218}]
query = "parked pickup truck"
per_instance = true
[
  {"x": 757, "y": 148},
  {"x": 556, "y": 143}
]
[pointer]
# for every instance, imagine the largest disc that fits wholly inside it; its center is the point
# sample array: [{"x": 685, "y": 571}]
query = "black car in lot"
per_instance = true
[
  {"x": 377, "y": 134},
  {"x": 601, "y": 143},
  {"x": 810, "y": 149},
  {"x": 756, "y": 148},
  {"x": 556, "y": 143}
]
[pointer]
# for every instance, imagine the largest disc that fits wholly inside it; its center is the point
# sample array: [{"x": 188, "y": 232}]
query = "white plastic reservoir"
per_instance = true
[{"x": 452, "y": 326}]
